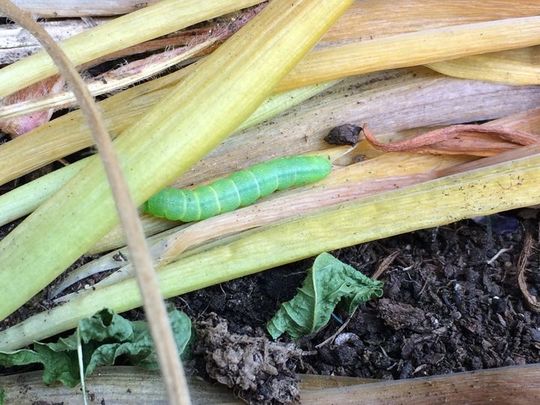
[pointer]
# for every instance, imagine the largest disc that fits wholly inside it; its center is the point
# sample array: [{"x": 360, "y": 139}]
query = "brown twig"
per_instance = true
[
  {"x": 523, "y": 261},
  {"x": 154, "y": 306},
  {"x": 388, "y": 260},
  {"x": 340, "y": 329}
]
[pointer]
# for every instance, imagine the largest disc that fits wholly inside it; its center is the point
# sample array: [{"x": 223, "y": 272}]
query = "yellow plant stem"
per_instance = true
[
  {"x": 516, "y": 66},
  {"x": 485, "y": 191},
  {"x": 415, "y": 48},
  {"x": 389, "y": 18},
  {"x": 159, "y": 19},
  {"x": 415, "y": 15},
  {"x": 184, "y": 126}
]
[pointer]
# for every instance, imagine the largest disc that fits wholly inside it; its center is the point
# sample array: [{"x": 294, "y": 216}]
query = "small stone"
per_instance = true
[{"x": 347, "y": 134}]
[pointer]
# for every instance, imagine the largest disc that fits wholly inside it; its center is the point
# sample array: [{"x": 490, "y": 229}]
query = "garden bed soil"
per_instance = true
[{"x": 449, "y": 304}]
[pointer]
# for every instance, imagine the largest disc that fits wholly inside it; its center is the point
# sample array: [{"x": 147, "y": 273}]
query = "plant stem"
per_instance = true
[{"x": 28, "y": 197}]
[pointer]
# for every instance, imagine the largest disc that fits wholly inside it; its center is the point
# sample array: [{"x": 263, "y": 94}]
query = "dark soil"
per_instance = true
[{"x": 446, "y": 306}]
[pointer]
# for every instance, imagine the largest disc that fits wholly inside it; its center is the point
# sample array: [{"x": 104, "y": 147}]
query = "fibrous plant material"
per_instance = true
[
  {"x": 107, "y": 82},
  {"x": 67, "y": 135},
  {"x": 479, "y": 192},
  {"x": 178, "y": 47},
  {"x": 531, "y": 300},
  {"x": 413, "y": 16},
  {"x": 353, "y": 27},
  {"x": 346, "y": 103},
  {"x": 325, "y": 64}
]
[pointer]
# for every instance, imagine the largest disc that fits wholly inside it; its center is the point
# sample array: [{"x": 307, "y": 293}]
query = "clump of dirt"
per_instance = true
[
  {"x": 347, "y": 134},
  {"x": 258, "y": 370}
]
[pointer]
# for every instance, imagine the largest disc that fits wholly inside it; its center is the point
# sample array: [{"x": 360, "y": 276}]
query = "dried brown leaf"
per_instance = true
[{"x": 475, "y": 140}]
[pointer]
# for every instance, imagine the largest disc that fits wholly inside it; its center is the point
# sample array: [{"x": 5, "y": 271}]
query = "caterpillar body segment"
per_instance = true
[{"x": 237, "y": 190}]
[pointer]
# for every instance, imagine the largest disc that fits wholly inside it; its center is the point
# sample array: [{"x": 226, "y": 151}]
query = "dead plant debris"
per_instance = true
[
  {"x": 258, "y": 370},
  {"x": 472, "y": 139},
  {"x": 523, "y": 262}
]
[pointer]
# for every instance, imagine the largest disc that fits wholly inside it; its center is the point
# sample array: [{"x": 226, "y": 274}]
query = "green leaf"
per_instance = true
[
  {"x": 105, "y": 337},
  {"x": 58, "y": 366},
  {"x": 2, "y": 396},
  {"x": 328, "y": 283}
]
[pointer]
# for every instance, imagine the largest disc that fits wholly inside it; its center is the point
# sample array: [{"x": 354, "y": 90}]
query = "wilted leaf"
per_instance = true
[
  {"x": 104, "y": 337},
  {"x": 475, "y": 140},
  {"x": 327, "y": 283}
]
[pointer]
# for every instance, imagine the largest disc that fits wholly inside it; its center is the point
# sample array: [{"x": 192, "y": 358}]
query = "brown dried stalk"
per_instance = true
[
  {"x": 475, "y": 140},
  {"x": 117, "y": 384},
  {"x": 523, "y": 261},
  {"x": 504, "y": 385},
  {"x": 527, "y": 120}
]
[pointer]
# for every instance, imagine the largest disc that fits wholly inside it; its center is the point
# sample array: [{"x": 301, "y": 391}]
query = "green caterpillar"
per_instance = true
[{"x": 237, "y": 190}]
